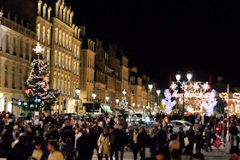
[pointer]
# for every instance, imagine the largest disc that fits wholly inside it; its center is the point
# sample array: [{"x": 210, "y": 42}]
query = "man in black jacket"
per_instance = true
[
  {"x": 161, "y": 138},
  {"x": 122, "y": 140},
  {"x": 113, "y": 143}
]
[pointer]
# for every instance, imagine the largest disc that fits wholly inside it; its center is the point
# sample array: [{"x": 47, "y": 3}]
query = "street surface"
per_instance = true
[{"x": 214, "y": 155}]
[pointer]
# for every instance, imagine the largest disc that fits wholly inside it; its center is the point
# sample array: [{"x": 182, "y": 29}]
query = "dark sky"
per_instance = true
[{"x": 169, "y": 36}]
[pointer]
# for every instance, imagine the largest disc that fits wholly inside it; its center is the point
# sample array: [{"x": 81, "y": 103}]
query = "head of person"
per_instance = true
[
  {"x": 136, "y": 130},
  {"x": 234, "y": 151},
  {"x": 111, "y": 129},
  {"x": 52, "y": 145},
  {"x": 105, "y": 131},
  {"x": 198, "y": 156},
  {"x": 66, "y": 122},
  {"x": 120, "y": 127},
  {"x": 159, "y": 155},
  {"x": 181, "y": 128},
  {"x": 38, "y": 145}
]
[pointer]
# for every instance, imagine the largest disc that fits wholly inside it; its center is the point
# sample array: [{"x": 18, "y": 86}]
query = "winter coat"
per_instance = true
[
  {"x": 103, "y": 144},
  {"x": 84, "y": 147},
  {"x": 56, "y": 155}
]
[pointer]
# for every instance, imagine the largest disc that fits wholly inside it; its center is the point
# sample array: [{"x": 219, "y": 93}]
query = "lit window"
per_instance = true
[
  {"x": 70, "y": 63},
  {"x": 66, "y": 40},
  {"x": 56, "y": 35},
  {"x": 38, "y": 32},
  {"x": 66, "y": 62},
  {"x": 60, "y": 37},
  {"x": 63, "y": 60},
  {"x": 43, "y": 34},
  {"x": 48, "y": 36},
  {"x": 48, "y": 57},
  {"x": 59, "y": 59},
  {"x": 63, "y": 38},
  {"x": 75, "y": 50},
  {"x": 70, "y": 42},
  {"x": 56, "y": 57}
]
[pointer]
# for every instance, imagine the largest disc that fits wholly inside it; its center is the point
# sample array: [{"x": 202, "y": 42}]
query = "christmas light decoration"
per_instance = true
[
  {"x": 37, "y": 84},
  {"x": 169, "y": 104},
  {"x": 211, "y": 103}
]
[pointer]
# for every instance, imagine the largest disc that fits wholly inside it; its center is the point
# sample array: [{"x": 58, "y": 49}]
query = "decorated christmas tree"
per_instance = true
[{"x": 38, "y": 95}]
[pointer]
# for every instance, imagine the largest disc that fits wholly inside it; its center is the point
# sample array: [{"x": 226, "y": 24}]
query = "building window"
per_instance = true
[
  {"x": 21, "y": 48},
  {"x": 20, "y": 79},
  {"x": 63, "y": 60},
  {"x": 59, "y": 59},
  {"x": 14, "y": 46},
  {"x": 13, "y": 77},
  {"x": 6, "y": 76},
  {"x": 5, "y": 103},
  {"x": 60, "y": 37},
  {"x": 68, "y": 87},
  {"x": 38, "y": 32},
  {"x": 48, "y": 36},
  {"x": 70, "y": 43},
  {"x": 43, "y": 34},
  {"x": 7, "y": 43},
  {"x": 63, "y": 38},
  {"x": 77, "y": 68},
  {"x": 66, "y": 40},
  {"x": 55, "y": 57},
  {"x": 70, "y": 63},
  {"x": 75, "y": 50},
  {"x": 65, "y": 87},
  {"x": 66, "y": 65},
  {"x": 27, "y": 51},
  {"x": 56, "y": 35},
  {"x": 62, "y": 86}
]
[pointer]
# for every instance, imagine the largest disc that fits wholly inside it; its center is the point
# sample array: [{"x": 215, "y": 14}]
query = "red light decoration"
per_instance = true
[
  {"x": 41, "y": 68},
  {"x": 27, "y": 91},
  {"x": 45, "y": 79}
]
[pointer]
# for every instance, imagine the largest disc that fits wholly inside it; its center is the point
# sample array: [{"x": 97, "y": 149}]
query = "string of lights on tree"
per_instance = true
[{"x": 37, "y": 90}]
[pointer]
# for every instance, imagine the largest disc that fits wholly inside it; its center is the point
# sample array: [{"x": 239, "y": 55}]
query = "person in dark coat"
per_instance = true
[
  {"x": 21, "y": 150},
  {"x": 181, "y": 136},
  {"x": 113, "y": 143},
  {"x": 161, "y": 138},
  {"x": 152, "y": 141},
  {"x": 142, "y": 141},
  {"x": 122, "y": 140},
  {"x": 84, "y": 147},
  {"x": 234, "y": 135},
  {"x": 208, "y": 137},
  {"x": 134, "y": 142},
  {"x": 191, "y": 136}
]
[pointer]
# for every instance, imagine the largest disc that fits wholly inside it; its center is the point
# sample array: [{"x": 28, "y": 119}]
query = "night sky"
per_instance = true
[{"x": 163, "y": 37}]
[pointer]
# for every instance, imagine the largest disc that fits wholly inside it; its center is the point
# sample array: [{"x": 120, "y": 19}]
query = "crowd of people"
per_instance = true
[{"x": 55, "y": 137}]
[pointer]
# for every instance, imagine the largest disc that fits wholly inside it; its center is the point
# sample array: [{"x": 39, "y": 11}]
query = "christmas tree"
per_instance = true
[{"x": 39, "y": 96}]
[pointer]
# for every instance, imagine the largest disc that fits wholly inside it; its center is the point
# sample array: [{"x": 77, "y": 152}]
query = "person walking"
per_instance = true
[
  {"x": 134, "y": 143},
  {"x": 208, "y": 137},
  {"x": 191, "y": 136},
  {"x": 181, "y": 136},
  {"x": 55, "y": 154},
  {"x": 104, "y": 144},
  {"x": 161, "y": 138},
  {"x": 152, "y": 140},
  {"x": 142, "y": 140},
  {"x": 113, "y": 143}
]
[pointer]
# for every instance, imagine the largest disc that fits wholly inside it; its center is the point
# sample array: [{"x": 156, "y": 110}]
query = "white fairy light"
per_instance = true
[
  {"x": 173, "y": 86},
  {"x": 169, "y": 104},
  {"x": 205, "y": 86}
]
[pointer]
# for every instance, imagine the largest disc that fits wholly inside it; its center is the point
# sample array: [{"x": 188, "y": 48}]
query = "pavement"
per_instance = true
[{"x": 221, "y": 154}]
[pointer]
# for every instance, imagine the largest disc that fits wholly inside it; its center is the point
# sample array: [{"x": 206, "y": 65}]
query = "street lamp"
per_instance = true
[
  {"x": 183, "y": 86},
  {"x": 77, "y": 90},
  {"x": 138, "y": 105},
  {"x": 107, "y": 99},
  {"x": 94, "y": 96},
  {"x": 117, "y": 100},
  {"x": 150, "y": 87},
  {"x": 158, "y": 94},
  {"x": 133, "y": 104}
]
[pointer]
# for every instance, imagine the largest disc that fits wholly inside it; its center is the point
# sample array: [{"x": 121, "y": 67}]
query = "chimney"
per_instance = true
[
  {"x": 49, "y": 13},
  {"x": 44, "y": 10},
  {"x": 83, "y": 30},
  {"x": 1, "y": 14}
]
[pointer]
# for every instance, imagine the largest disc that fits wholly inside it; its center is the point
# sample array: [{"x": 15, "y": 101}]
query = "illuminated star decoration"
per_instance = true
[
  {"x": 38, "y": 48},
  {"x": 124, "y": 92}
]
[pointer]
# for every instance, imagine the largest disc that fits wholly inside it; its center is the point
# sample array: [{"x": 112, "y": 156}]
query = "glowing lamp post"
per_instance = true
[
  {"x": 107, "y": 99},
  {"x": 94, "y": 96},
  {"x": 183, "y": 86},
  {"x": 150, "y": 87},
  {"x": 117, "y": 101},
  {"x": 158, "y": 94},
  {"x": 77, "y": 90},
  {"x": 133, "y": 104}
]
